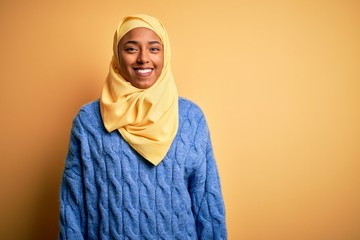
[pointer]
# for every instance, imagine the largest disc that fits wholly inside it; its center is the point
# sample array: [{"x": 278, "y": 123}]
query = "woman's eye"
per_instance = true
[
  {"x": 130, "y": 49},
  {"x": 154, "y": 49}
]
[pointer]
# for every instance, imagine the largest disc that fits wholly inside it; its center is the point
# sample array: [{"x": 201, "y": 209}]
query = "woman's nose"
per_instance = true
[{"x": 143, "y": 57}]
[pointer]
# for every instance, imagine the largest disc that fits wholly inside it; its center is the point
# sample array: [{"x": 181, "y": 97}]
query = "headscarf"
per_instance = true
[{"x": 146, "y": 118}]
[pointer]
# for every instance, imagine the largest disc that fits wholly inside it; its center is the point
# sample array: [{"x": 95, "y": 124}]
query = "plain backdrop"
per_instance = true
[{"x": 279, "y": 82}]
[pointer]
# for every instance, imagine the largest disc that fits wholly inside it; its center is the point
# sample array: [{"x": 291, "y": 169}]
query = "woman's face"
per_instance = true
[{"x": 141, "y": 57}]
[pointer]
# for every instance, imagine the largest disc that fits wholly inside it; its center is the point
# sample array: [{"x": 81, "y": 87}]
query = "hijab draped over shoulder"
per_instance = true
[{"x": 146, "y": 118}]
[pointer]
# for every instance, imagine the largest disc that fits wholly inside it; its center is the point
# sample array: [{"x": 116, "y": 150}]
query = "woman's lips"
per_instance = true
[{"x": 143, "y": 72}]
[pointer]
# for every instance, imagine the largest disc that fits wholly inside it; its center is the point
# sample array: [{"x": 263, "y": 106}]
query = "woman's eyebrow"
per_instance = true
[
  {"x": 136, "y": 42},
  {"x": 155, "y": 42},
  {"x": 131, "y": 42}
]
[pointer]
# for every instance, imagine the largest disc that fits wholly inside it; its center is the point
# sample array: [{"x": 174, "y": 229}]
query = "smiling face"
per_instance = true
[{"x": 141, "y": 57}]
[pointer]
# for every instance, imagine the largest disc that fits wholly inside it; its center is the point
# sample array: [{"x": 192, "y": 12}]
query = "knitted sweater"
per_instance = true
[{"x": 109, "y": 191}]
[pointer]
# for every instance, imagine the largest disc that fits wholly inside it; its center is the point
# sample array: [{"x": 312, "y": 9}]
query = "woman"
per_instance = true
[{"x": 140, "y": 163}]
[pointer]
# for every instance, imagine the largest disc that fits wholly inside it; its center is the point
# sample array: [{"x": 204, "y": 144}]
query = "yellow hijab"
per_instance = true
[{"x": 146, "y": 118}]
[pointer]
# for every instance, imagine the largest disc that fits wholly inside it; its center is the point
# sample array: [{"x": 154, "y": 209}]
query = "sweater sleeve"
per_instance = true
[
  {"x": 205, "y": 189},
  {"x": 72, "y": 212}
]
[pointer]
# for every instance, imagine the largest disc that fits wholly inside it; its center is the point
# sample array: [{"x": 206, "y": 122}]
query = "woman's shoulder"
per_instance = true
[
  {"x": 189, "y": 111},
  {"x": 90, "y": 113},
  {"x": 91, "y": 108}
]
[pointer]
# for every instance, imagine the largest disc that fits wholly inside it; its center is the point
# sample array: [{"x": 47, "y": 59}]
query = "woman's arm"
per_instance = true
[
  {"x": 72, "y": 212},
  {"x": 205, "y": 190}
]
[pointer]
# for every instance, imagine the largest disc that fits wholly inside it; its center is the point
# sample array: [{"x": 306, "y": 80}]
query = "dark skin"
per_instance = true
[{"x": 141, "y": 57}]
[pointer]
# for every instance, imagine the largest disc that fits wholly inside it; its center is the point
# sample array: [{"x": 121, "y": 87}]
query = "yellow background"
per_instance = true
[{"x": 279, "y": 82}]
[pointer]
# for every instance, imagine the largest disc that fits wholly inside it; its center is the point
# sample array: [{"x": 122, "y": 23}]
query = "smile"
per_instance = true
[{"x": 143, "y": 71}]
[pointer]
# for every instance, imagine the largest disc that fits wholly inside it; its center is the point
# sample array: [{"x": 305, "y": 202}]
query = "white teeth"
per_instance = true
[{"x": 143, "y": 70}]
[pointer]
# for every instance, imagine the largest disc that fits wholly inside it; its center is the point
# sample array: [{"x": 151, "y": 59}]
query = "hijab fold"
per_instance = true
[{"x": 146, "y": 118}]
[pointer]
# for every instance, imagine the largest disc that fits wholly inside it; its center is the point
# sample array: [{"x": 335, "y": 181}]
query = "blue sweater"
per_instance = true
[{"x": 109, "y": 191}]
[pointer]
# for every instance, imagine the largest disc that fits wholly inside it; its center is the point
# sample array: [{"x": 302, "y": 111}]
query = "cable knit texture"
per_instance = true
[{"x": 109, "y": 191}]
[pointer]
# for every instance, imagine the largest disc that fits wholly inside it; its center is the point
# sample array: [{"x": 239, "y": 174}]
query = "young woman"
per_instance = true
[{"x": 140, "y": 163}]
